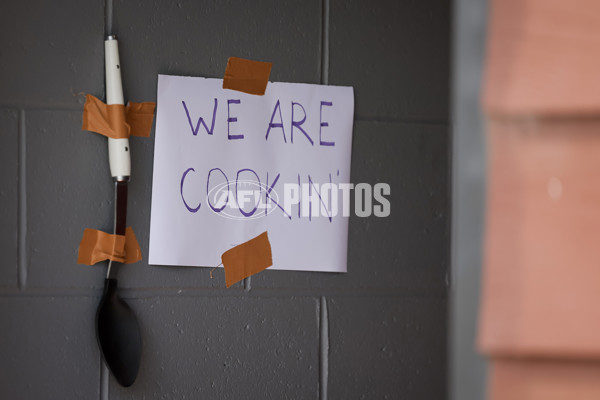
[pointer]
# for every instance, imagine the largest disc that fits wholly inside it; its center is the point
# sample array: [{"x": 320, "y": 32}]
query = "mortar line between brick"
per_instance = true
[
  {"x": 103, "y": 380},
  {"x": 104, "y": 373},
  {"x": 33, "y": 106},
  {"x": 325, "y": 42},
  {"x": 22, "y": 216},
  {"x": 323, "y": 349}
]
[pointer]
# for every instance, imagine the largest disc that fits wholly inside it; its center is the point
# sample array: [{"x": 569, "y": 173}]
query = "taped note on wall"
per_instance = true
[{"x": 230, "y": 165}]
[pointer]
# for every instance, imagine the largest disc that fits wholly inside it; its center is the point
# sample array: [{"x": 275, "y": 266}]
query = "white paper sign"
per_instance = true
[{"x": 226, "y": 161}]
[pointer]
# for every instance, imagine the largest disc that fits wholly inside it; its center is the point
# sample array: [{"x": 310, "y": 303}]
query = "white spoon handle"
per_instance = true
[{"x": 118, "y": 149}]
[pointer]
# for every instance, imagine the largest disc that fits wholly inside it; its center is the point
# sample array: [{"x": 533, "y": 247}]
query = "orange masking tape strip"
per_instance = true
[
  {"x": 247, "y": 76},
  {"x": 247, "y": 259},
  {"x": 117, "y": 121},
  {"x": 107, "y": 120},
  {"x": 139, "y": 116},
  {"x": 98, "y": 246}
]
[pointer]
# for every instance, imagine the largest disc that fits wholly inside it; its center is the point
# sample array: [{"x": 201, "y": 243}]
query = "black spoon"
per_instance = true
[{"x": 117, "y": 328}]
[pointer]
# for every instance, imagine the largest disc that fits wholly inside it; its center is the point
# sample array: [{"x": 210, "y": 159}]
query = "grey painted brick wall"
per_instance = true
[{"x": 378, "y": 331}]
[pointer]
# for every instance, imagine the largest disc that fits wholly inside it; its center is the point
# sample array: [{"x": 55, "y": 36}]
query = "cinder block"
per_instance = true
[
  {"x": 195, "y": 39},
  {"x": 387, "y": 348},
  {"x": 69, "y": 188},
  {"x": 48, "y": 348},
  {"x": 51, "y": 51},
  {"x": 408, "y": 250},
  {"x": 9, "y": 188},
  {"x": 226, "y": 348},
  {"x": 396, "y": 54}
]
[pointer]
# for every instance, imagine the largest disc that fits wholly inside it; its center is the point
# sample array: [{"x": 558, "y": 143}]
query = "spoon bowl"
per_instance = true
[{"x": 118, "y": 334}]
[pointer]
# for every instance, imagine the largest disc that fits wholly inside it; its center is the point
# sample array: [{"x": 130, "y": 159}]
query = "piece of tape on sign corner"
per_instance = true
[
  {"x": 247, "y": 76},
  {"x": 247, "y": 259},
  {"x": 117, "y": 121},
  {"x": 98, "y": 246}
]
